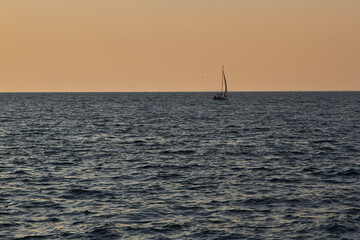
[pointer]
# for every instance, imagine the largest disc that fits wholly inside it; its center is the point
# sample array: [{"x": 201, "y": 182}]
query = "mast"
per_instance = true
[{"x": 224, "y": 79}]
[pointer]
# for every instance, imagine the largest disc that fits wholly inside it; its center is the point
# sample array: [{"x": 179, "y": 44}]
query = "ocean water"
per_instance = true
[{"x": 180, "y": 166}]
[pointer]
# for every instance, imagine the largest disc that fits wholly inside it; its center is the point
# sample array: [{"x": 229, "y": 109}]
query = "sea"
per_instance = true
[{"x": 260, "y": 165}]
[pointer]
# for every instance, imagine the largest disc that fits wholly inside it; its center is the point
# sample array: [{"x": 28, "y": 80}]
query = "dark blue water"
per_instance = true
[{"x": 180, "y": 166}]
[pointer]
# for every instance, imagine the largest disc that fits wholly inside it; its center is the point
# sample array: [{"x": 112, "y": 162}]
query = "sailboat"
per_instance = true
[{"x": 223, "y": 94}]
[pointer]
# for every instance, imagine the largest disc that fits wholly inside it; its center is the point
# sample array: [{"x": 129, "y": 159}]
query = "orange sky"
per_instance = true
[{"x": 173, "y": 45}]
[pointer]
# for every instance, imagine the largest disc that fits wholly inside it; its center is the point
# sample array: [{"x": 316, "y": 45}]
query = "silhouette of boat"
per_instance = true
[{"x": 223, "y": 94}]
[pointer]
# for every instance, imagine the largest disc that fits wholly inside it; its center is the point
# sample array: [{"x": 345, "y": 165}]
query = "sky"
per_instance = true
[{"x": 179, "y": 45}]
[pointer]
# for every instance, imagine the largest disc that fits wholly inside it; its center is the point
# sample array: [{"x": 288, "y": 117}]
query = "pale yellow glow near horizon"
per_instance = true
[{"x": 168, "y": 45}]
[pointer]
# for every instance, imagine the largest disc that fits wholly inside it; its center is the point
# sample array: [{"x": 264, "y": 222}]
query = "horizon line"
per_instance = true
[{"x": 181, "y": 91}]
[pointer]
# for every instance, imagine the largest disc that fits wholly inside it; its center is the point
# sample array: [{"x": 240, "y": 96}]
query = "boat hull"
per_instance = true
[{"x": 219, "y": 98}]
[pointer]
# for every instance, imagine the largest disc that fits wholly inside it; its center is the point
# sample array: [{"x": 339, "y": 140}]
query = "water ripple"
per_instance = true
[{"x": 179, "y": 166}]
